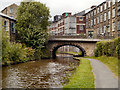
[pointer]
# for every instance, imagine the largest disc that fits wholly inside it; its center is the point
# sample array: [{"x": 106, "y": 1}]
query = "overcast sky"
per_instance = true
[{"x": 57, "y": 7}]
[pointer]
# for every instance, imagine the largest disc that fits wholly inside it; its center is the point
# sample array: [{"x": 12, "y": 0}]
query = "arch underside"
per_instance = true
[{"x": 58, "y": 46}]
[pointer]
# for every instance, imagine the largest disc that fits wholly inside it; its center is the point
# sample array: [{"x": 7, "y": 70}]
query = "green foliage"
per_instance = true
[
  {"x": 44, "y": 53},
  {"x": 32, "y": 22},
  {"x": 83, "y": 77},
  {"x": 108, "y": 48},
  {"x": 14, "y": 52}
]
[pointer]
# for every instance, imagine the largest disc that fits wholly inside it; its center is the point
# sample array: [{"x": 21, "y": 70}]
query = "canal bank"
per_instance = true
[
  {"x": 83, "y": 76},
  {"x": 103, "y": 77}
]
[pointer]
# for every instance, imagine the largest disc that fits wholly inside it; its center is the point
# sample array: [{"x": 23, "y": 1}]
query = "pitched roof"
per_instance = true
[
  {"x": 6, "y": 16},
  {"x": 9, "y": 6}
]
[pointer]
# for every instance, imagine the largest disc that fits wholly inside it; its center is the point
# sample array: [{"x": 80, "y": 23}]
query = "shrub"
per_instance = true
[
  {"x": 15, "y": 52},
  {"x": 108, "y": 48}
]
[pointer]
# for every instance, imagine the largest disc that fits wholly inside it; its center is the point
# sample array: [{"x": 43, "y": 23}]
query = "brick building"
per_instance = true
[
  {"x": 8, "y": 25},
  {"x": 104, "y": 20},
  {"x": 11, "y": 10},
  {"x": 67, "y": 24}
]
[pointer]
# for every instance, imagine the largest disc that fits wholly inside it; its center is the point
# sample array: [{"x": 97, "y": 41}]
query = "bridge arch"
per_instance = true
[{"x": 58, "y": 46}]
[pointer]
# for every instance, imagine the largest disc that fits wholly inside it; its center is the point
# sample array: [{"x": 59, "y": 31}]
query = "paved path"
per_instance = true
[{"x": 104, "y": 77}]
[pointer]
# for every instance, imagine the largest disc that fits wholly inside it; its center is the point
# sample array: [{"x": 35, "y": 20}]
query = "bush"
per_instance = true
[
  {"x": 15, "y": 52},
  {"x": 108, "y": 48}
]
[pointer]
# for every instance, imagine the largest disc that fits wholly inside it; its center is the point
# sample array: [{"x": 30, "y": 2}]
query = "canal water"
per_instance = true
[{"x": 50, "y": 73}]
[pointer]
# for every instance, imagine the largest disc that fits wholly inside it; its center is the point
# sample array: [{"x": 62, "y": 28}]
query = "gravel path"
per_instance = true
[{"x": 104, "y": 77}]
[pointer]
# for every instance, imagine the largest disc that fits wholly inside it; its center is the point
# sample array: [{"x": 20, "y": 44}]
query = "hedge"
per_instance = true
[{"x": 108, "y": 48}]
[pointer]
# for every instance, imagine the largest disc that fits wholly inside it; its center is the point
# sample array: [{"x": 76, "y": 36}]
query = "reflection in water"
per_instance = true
[{"x": 37, "y": 74}]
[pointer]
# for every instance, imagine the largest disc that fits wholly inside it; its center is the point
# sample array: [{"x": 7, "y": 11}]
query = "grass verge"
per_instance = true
[
  {"x": 111, "y": 62},
  {"x": 83, "y": 76}
]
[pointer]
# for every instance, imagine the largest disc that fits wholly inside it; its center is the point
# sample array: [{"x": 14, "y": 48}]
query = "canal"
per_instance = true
[{"x": 50, "y": 73}]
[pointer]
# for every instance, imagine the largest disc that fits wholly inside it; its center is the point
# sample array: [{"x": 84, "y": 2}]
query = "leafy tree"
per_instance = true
[{"x": 32, "y": 22}]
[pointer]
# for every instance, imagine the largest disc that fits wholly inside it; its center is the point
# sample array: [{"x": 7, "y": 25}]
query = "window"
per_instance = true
[
  {"x": 80, "y": 27},
  {"x": 113, "y": 2},
  {"x": 13, "y": 27},
  {"x": 101, "y": 30},
  {"x": 11, "y": 10},
  {"x": 119, "y": 25},
  {"x": 98, "y": 20},
  {"x": 108, "y": 27},
  {"x": 109, "y": 3},
  {"x": 113, "y": 26},
  {"x": 90, "y": 34},
  {"x": 86, "y": 24},
  {"x": 101, "y": 8},
  {"x": 80, "y": 18},
  {"x": 98, "y": 30},
  {"x": 86, "y": 16},
  {"x": 104, "y": 16},
  {"x": 118, "y": 9},
  {"x": 89, "y": 15},
  {"x": 97, "y": 10},
  {"x": 113, "y": 11},
  {"x": 94, "y": 12},
  {"x": 109, "y": 14},
  {"x": 105, "y": 6},
  {"x": 104, "y": 28},
  {"x": 94, "y": 21},
  {"x": 6, "y": 25},
  {"x": 101, "y": 18},
  {"x": 91, "y": 22}
]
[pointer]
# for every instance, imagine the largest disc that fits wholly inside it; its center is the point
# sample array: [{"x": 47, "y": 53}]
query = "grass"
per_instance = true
[
  {"x": 83, "y": 76},
  {"x": 111, "y": 62}
]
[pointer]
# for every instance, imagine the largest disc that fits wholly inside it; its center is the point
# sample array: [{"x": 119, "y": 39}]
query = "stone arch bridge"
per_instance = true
[{"x": 87, "y": 46}]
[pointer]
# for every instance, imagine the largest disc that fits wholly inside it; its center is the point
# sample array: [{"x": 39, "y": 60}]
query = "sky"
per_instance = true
[{"x": 57, "y": 7}]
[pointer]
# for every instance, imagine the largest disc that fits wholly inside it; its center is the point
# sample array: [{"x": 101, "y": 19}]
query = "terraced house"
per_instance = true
[
  {"x": 7, "y": 17},
  {"x": 8, "y": 25},
  {"x": 104, "y": 20},
  {"x": 11, "y": 10}
]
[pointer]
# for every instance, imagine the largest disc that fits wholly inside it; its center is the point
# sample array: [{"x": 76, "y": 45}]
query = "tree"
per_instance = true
[{"x": 32, "y": 22}]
